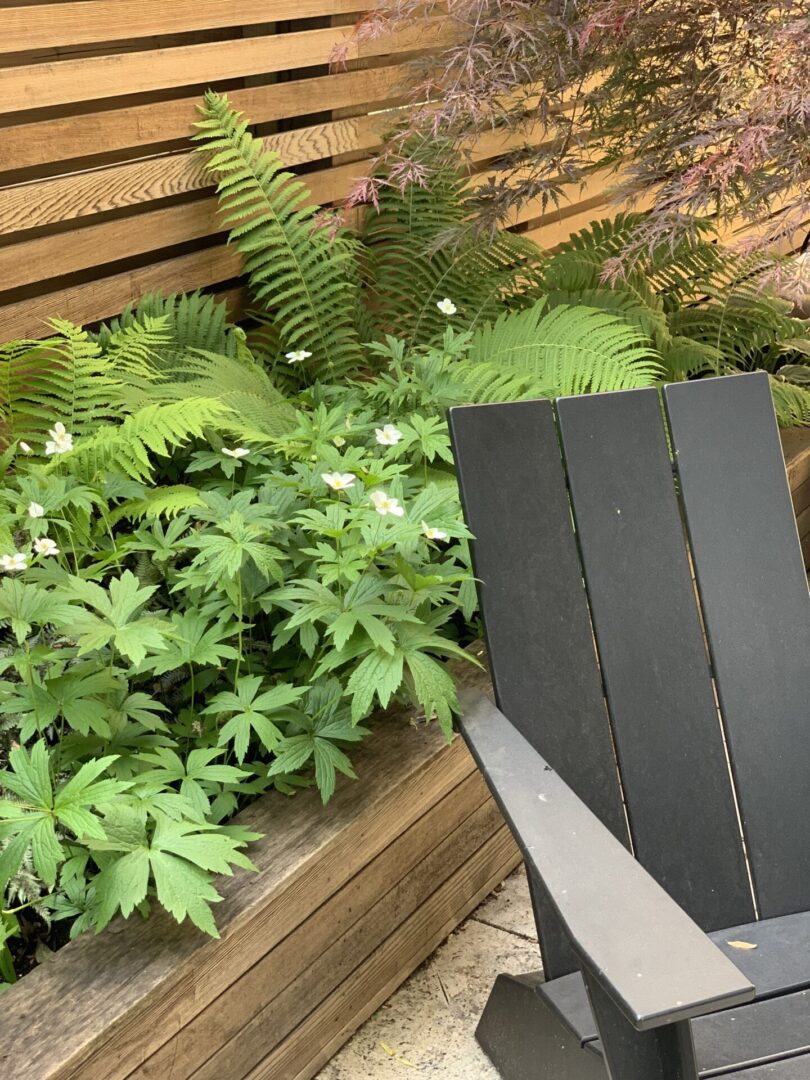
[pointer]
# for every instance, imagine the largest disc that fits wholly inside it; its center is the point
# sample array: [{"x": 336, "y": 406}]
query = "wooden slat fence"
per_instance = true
[{"x": 101, "y": 198}]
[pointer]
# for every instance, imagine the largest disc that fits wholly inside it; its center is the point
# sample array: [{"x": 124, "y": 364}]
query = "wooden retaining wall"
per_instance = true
[{"x": 348, "y": 901}]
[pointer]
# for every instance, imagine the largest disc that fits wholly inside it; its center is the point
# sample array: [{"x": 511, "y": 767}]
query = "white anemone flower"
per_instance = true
[
  {"x": 383, "y": 504},
  {"x": 26, "y": 449},
  {"x": 339, "y": 481},
  {"x": 13, "y": 564},
  {"x": 446, "y": 306},
  {"x": 236, "y": 453},
  {"x": 45, "y": 546},
  {"x": 388, "y": 435},
  {"x": 35, "y": 510},
  {"x": 431, "y": 533},
  {"x": 297, "y": 356},
  {"x": 60, "y": 440}
]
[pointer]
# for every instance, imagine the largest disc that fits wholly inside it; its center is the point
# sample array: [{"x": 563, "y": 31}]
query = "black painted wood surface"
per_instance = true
[
  {"x": 757, "y": 613},
  {"x": 652, "y": 653},
  {"x": 656, "y": 963}
]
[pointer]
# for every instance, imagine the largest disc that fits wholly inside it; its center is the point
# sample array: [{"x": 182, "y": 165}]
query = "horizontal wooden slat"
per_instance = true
[
  {"x": 85, "y": 21},
  {"x": 67, "y": 252},
  {"x": 45, "y": 202},
  {"x": 138, "y": 984},
  {"x": 38, "y": 86},
  {"x": 94, "y": 300},
  {"x": 267, "y": 1003},
  {"x": 76, "y": 195},
  {"x": 113, "y": 130}
]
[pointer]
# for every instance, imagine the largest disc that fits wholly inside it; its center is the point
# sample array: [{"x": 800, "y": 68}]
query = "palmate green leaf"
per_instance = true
[
  {"x": 194, "y": 639},
  {"x": 118, "y": 619},
  {"x": 180, "y": 857},
  {"x": 380, "y": 675},
  {"x": 253, "y": 712},
  {"x": 81, "y": 695},
  {"x": 199, "y": 775},
  {"x": 317, "y": 743},
  {"x": 33, "y": 820},
  {"x": 24, "y": 605}
]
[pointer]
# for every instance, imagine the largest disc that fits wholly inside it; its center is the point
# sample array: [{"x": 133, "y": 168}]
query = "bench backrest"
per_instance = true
[{"x": 680, "y": 714}]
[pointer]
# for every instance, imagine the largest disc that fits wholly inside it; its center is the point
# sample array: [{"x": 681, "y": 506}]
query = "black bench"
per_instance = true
[{"x": 663, "y": 836}]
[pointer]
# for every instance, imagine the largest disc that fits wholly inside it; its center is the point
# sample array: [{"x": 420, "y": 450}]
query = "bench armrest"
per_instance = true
[{"x": 652, "y": 960}]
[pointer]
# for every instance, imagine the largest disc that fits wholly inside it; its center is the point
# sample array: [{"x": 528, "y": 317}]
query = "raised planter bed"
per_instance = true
[
  {"x": 796, "y": 448},
  {"x": 347, "y": 902}
]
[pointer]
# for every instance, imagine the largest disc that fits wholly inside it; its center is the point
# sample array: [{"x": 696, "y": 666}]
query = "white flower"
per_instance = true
[
  {"x": 237, "y": 452},
  {"x": 339, "y": 481},
  {"x": 35, "y": 510},
  {"x": 60, "y": 442},
  {"x": 384, "y": 505},
  {"x": 388, "y": 435},
  {"x": 26, "y": 449},
  {"x": 12, "y": 564},
  {"x": 446, "y": 306},
  {"x": 45, "y": 546},
  {"x": 431, "y": 533},
  {"x": 297, "y": 357}
]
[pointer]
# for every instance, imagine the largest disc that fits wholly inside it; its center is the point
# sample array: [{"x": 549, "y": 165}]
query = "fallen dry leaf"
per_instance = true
[{"x": 741, "y": 945}]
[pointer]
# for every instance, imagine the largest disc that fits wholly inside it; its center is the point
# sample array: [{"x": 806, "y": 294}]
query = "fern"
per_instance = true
[
  {"x": 558, "y": 352},
  {"x": 258, "y": 411},
  {"x": 408, "y": 269},
  {"x": 153, "y": 430},
  {"x": 303, "y": 280},
  {"x": 190, "y": 320}
]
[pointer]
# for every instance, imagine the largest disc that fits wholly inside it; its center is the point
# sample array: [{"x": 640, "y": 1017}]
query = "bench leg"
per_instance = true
[{"x": 526, "y": 1040}]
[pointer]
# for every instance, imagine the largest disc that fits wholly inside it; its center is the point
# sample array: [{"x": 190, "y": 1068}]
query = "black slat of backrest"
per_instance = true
[
  {"x": 677, "y": 787},
  {"x": 756, "y": 609},
  {"x": 539, "y": 636}
]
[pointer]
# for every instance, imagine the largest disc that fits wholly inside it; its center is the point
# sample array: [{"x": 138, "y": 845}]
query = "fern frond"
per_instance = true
[
  {"x": 154, "y": 430},
  {"x": 301, "y": 277},
  {"x": 191, "y": 320},
  {"x": 166, "y": 501},
  {"x": 565, "y": 350},
  {"x": 408, "y": 269},
  {"x": 791, "y": 402},
  {"x": 258, "y": 411}
]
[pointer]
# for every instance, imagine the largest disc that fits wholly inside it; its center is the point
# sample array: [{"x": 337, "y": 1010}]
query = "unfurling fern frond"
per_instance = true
[
  {"x": 153, "y": 430},
  {"x": 258, "y": 412},
  {"x": 303, "y": 279},
  {"x": 559, "y": 352}
]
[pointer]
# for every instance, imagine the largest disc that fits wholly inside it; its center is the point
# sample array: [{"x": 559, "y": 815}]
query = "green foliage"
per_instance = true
[
  {"x": 707, "y": 310},
  {"x": 296, "y": 271}
]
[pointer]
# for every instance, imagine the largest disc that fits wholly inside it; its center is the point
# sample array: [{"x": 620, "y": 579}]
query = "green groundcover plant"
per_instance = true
[{"x": 221, "y": 552}]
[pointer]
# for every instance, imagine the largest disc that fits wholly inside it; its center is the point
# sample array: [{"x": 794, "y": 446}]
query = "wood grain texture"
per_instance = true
[
  {"x": 84, "y": 21},
  {"x": 45, "y": 141},
  {"x": 38, "y": 86},
  {"x": 143, "y": 983}
]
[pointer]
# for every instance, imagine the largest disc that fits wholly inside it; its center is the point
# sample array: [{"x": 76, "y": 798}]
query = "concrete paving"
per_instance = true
[{"x": 426, "y": 1028}]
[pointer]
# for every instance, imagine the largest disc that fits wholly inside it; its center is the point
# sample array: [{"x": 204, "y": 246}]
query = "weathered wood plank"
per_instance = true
[
  {"x": 372, "y": 982},
  {"x": 42, "y": 142},
  {"x": 80, "y": 22},
  {"x": 37, "y": 86},
  {"x": 141, "y": 982},
  {"x": 93, "y": 300},
  {"x": 229, "y": 1038}
]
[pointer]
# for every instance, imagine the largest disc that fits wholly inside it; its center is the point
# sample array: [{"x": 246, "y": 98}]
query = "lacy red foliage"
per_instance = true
[{"x": 703, "y": 106}]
